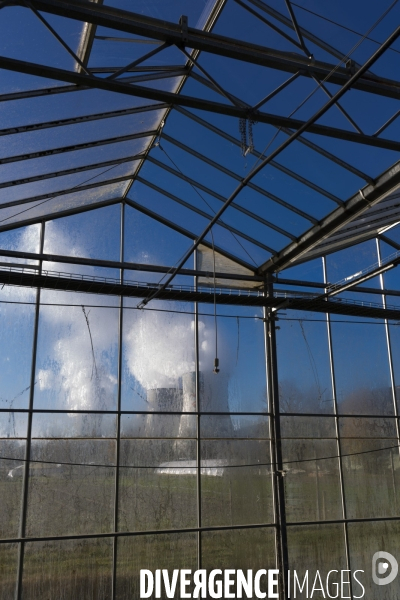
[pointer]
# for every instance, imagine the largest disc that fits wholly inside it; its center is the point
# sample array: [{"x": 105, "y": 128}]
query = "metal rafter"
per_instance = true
[
  {"x": 191, "y": 102},
  {"x": 297, "y": 30},
  {"x": 304, "y": 32},
  {"x": 273, "y": 163},
  {"x": 73, "y": 171},
  {"x": 110, "y": 264},
  {"x": 219, "y": 197},
  {"x": 301, "y": 139},
  {"x": 370, "y": 195},
  {"x": 123, "y": 138},
  {"x": 71, "y": 190},
  {"x": 83, "y": 119},
  {"x": 56, "y": 35},
  {"x": 173, "y": 33},
  {"x": 202, "y": 213},
  {"x": 59, "y": 213},
  {"x": 263, "y": 163},
  {"x": 234, "y": 175},
  {"x": 268, "y": 23},
  {"x": 138, "y": 61},
  {"x": 186, "y": 232}
]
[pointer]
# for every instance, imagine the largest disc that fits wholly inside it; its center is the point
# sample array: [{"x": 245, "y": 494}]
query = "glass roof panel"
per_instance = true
[
  {"x": 70, "y": 160},
  {"x": 302, "y": 185},
  {"x": 83, "y": 234},
  {"x": 34, "y": 41},
  {"x": 60, "y": 204},
  {"x": 170, "y": 10},
  {"x": 81, "y": 133},
  {"x": 56, "y": 185}
]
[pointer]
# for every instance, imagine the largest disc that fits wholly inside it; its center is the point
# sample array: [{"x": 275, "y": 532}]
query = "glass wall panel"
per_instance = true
[
  {"x": 240, "y": 386},
  {"x": 92, "y": 234},
  {"x": 395, "y": 350},
  {"x": 157, "y": 484},
  {"x": 73, "y": 425},
  {"x": 371, "y": 471},
  {"x": 77, "y": 355},
  {"x": 239, "y": 549},
  {"x": 362, "y": 373},
  {"x": 312, "y": 479},
  {"x": 303, "y": 364},
  {"x": 316, "y": 548},
  {"x": 16, "y": 341},
  {"x": 158, "y": 426},
  {"x": 231, "y": 492},
  {"x": 149, "y": 242},
  {"x": 11, "y": 475},
  {"x": 163, "y": 551},
  {"x": 8, "y": 570},
  {"x": 68, "y": 569},
  {"x": 365, "y": 539},
  {"x": 63, "y": 498},
  {"x": 158, "y": 358},
  {"x": 13, "y": 424}
]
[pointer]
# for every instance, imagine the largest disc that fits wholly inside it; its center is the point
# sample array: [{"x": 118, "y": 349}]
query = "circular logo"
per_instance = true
[{"x": 381, "y": 561}]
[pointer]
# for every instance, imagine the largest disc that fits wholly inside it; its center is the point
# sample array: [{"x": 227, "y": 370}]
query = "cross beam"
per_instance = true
[{"x": 148, "y": 27}]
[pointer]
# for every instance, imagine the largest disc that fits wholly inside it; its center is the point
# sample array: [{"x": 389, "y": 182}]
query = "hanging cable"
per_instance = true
[{"x": 245, "y": 465}]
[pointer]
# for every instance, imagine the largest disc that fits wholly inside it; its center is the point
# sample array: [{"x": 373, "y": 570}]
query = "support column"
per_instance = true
[
  {"x": 198, "y": 439},
  {"x": 276, "y": 445},
  {"x": 337, "y": 432},
  {"x": 25, "y": 481},
  {"x": 118, "y": 432}
]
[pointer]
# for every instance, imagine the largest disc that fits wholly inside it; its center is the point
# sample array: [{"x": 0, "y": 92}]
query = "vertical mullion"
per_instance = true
[
  {"x": 198, "y": 440},
  {"x": 25, "y": 481},
  {"x": 117, "y": 457},
  {"x": 389, "y": 349},
  {"x": 276, "y": 446},
  {"x": 337, "y": 431}
]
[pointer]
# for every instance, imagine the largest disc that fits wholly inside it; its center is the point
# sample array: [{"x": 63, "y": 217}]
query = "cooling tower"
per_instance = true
[
  {"x": 166, "y": 400},
  {"x": 213, "y": 394},
  {"x": 187, "y": 427}
]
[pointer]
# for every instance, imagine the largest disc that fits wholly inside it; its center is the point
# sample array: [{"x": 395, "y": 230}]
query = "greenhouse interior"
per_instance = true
[{"x": 199, "y": 299}]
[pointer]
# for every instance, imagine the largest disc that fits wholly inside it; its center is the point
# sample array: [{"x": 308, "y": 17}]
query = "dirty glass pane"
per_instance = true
[
  {"x": 394, "y": 333},
  {"x": 239, "y": 549},
  {"x": 149, "y": 242},
  {"x": 308, "y": 427},
  {"x": 158, "y": 426},
  {"x": 365, "y": 539},
  {"x": 158, "y": 358},
  {"x": 8, "y": 570},
  {"x": 361, "y": 363},
  {"x": 234, "y": 426},
  {"x": 77, "y": 353},
  {"x": 233, "y": 493},
  {"x": 164, "y": 551},
  {"x": 371, "y": 468},
  {"x": 16, "y": 341},
  {"x": 303, "y": 364},
  {"x": 68, "y": 569},
  {"x": 11, "y": 475},
  {"x": 162, "y": 495},
  {"x": 68, "y": 498},
  {"x": 240, "y": 385},
  {"x": 316, "y": 548},
  {"x": 93, "y": 234},
  {"x": 13, "y": 424},
  {"x": 73, "y": 425},
  {"x": 312, "y": 485}
]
